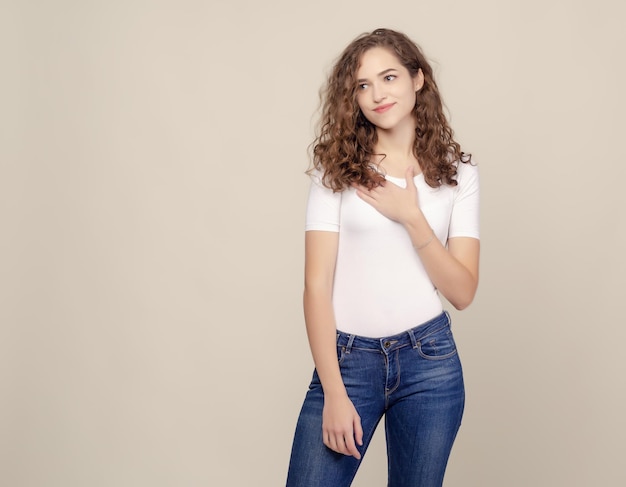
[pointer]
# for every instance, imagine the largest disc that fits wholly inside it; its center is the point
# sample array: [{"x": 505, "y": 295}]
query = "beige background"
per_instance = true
[{"x": 151, "y": 208}]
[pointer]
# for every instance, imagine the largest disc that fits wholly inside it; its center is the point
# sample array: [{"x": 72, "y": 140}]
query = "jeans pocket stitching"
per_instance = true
[{"x": 438, "y": 357}]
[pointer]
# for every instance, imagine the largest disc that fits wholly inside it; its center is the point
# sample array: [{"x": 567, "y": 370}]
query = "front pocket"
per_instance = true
[{"x": 438, "y": 346}]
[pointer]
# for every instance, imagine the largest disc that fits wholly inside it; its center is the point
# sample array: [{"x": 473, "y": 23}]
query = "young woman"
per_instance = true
[{"x": 392, "y": 221}]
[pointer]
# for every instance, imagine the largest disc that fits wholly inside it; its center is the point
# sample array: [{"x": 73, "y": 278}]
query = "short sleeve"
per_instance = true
[
  {"x": 323, "y": 207},
  {"x": 464, "y": 221}
]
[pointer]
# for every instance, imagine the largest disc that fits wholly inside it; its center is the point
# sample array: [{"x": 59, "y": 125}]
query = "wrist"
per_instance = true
[
  {"x": 420, "y": 231},
  {"x": 334, "y": 391},
  {"x": 425, "y": 243},
  {"x": 416, "y": 224}
]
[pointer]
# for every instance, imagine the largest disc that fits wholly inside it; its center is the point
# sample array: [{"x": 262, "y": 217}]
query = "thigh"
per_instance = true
[
  {"x": 312, "y": 464},
  {"x": 425, "y": 413}
]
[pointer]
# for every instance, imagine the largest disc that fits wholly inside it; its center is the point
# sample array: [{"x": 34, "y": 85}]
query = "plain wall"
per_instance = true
[{"x": 152, "y": 196}]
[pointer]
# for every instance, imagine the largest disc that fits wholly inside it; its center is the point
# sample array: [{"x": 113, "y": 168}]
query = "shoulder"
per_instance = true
[
  {"x": 323, "y": 206},
  {"x": 319, "y": 184},
  {"x": 466, "y": 172},
  {"x": 319, "y": 193},
  {"x": 317, "y": 177}
]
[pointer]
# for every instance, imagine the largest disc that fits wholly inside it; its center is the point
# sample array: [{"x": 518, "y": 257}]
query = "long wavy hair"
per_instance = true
[{"x": 344, "y": 146}]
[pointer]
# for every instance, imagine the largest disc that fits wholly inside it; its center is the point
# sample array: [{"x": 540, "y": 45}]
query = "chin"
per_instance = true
[{"x": 386, "y": 126}]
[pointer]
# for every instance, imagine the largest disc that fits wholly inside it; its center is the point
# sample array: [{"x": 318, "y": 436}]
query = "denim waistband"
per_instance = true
[{"x": 386, "y": 344}]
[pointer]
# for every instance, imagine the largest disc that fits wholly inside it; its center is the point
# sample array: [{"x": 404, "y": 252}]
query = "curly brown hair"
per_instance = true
[{"x": 344, "y": 146}]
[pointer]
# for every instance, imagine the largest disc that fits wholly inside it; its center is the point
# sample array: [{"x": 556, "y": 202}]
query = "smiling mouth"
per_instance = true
[{"x": 383, "y": 108}]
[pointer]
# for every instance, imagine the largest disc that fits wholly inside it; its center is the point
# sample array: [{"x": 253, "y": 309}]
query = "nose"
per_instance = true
[{"x": 378, "y": 93}]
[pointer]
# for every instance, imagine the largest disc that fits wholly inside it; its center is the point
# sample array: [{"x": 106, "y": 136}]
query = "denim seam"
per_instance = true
[
  {"x": 342, "y": 354},
  {"x": 397, "y": 384},
  {"x": 433, "y": 332},
  {"x": 376, "y": 350}
]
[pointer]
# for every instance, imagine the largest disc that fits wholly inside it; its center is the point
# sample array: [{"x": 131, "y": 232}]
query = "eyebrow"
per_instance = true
[{"x": 382, "y": 73}]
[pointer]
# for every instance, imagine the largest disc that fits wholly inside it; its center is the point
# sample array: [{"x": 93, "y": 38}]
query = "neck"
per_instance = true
[
  {"x": 398, "y": 140},
  {"x": 397, "y": 145}
]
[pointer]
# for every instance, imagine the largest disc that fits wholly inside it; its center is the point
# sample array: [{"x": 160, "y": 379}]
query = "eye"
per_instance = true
[
  {"x": 362, "y": 86},
  {"x": 390, "y": 77}
]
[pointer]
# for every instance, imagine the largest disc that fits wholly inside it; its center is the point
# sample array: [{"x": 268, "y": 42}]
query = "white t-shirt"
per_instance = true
[{"x": 381, "y": 287}]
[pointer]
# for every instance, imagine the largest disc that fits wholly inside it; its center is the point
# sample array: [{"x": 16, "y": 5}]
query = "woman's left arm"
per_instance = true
[{"x": 453, "y": 270}]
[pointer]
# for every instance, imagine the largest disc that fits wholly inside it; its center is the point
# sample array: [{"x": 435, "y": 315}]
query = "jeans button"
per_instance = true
[{"x": 387, "y": 344}]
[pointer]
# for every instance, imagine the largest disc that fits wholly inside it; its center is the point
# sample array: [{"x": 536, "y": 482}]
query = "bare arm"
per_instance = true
[
  {"x": 453, "y": 270},
  {"x": 341, "y": 423}
]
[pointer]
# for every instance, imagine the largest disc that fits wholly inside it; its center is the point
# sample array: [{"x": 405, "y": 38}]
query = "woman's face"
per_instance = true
[{"x": 386, "y": 90}]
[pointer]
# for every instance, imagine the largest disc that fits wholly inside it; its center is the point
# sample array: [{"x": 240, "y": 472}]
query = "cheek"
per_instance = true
[
  {"x": 362, "y": 107},
  {"x": 368, "y": 118},
  {"x": 407, "y": 92},
  {"x": 359, "y": 101}
]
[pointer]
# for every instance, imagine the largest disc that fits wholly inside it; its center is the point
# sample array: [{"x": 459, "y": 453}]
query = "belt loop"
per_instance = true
[
  {"x": 350, "y": 341},
  {"x": 413, "y": 340},
  {"x": 448, "y": 318}
]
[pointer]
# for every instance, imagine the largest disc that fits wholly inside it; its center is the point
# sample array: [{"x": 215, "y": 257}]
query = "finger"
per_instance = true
[
  {"x": 409, "y": 175},
  {"x": 358, "y": 431},
  {"x": 366, "y": 190},
  {"x": 335, "y": 442},
  {"x": 359, "y": 187},
  {"x": 351, "y": 447},
  {"x": 331, "y": 442},
  {"x": 339, "y": 444},
  {"x": 365, "y": 195}
]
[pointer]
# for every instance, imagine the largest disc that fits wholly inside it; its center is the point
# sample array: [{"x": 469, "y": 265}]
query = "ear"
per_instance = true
[{"x": 418, "y": 80}]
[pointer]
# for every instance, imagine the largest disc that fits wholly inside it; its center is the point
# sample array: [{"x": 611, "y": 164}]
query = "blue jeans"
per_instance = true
[{"x": 413, "y": 379}]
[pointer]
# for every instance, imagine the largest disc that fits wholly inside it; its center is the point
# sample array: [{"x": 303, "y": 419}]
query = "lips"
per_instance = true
[{"x": 383, "y": 108}]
